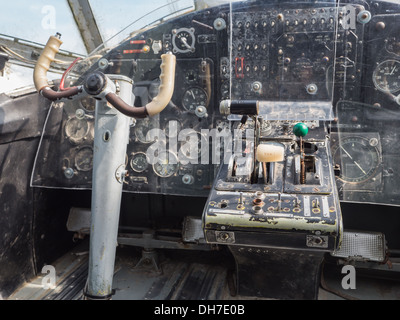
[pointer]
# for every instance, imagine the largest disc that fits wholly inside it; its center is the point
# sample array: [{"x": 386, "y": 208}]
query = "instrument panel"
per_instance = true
[{"x": 348, "y": 55}]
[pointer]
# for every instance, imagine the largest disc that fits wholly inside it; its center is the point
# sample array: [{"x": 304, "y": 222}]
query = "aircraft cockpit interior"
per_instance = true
[{"x": 227, "y": 150}]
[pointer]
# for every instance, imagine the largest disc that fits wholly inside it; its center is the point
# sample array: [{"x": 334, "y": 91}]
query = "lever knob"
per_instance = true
[
  {"x": 300, "y": 129},
  {"x": 270, "y": 152}
]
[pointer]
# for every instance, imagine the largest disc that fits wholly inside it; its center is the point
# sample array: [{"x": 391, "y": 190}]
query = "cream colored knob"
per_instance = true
[{"x": 270, "y": 152}]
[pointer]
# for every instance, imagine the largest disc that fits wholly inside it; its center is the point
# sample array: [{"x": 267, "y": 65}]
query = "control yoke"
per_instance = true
[{"x": 100, "y": 86}]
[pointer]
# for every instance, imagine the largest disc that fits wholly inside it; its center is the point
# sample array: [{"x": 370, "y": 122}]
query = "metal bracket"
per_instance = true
[{"x": 148, "y": 262}]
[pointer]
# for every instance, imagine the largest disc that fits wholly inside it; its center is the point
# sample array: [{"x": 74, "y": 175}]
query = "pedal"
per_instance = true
[{"x": 362, "y": 246}]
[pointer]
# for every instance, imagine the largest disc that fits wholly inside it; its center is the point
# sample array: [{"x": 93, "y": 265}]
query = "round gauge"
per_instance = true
[
  {"x": 167, "y": 165},
  {"x": 386, "y": 76},
  {"x": 84, "y": 159},
  {"x": 358, "y": 158},
  {"x": 139, "y": 162},
  {"x": 195, "y": 145},
  {"x": 183, "y": 40},
  {"x": 88, "y": 103},
  {"x": 191, "y": 76},
  {"x": 76, "y": 129},
  {"x": 172, "y": 128},
  {"x": 142, "y": 128},
  {"x": 393, "y": 45},
  {"x": 193, "y": 98}
]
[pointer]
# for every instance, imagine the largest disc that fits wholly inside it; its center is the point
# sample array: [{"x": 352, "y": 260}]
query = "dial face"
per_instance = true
[
  {"x": 386, "y": 76},
  {"x": 172, "y": 128},
  {"x": 193, "y": 98},
  {"x": 84, "y": 159},
  {"x": 358, "y": 158},
  {"x": 194, "y": 146},
  {"x": 191, "y": 76},
  {"x": 393, "y": 45},
  {"x": 139, "y": 162},
  {"x": 167, "y": 165},
  {"x": 88, "y": 103},
  {"x": 183, "y": 40},
  {"x": 76, "y": 129},
  {"x": 142, "y": 128}
]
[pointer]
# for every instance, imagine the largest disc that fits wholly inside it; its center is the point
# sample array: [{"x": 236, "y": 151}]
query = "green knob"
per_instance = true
[{"x": 300, "y": 129}]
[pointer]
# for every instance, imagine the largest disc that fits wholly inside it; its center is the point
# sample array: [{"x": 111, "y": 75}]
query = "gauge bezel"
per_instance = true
[
  {"x": 374, "y": 168},
  {"x": 375, "y": 74},
  {"x": 200, "y": 103},
  {"x": 81, "y": 137},
  {"x": 92, "y": 100},
  {"x": 133, "y": 167},
  {"x": 80, "y": 150},
  {"x": 195, "y": 77},
  {"x": 179, "y": 127},
  {"x": 175, "y": 36},
  {"x": 176, "y": 166},
  {"x": 202, "y": 140},
  {"x": 140, "y": 125}
]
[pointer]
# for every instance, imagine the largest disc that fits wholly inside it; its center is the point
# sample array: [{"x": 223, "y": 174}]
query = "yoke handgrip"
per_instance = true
[
  {"x": 42, "y": 67},
  {"x": 158, "y": 104}
]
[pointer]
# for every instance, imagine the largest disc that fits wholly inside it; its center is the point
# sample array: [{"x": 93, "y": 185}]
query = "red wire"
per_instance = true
[{"x": 66, "y": 73}]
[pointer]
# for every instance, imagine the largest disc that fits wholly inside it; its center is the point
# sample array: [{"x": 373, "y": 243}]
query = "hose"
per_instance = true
[{"x": 62, "y": 83}]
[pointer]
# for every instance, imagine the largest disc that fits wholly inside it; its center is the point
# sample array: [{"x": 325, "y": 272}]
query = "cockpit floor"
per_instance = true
[{"x": 181, "y": 275}]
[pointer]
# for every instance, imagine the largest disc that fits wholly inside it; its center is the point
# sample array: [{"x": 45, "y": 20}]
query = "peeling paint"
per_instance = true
[
  {"x": 103, "y": 248},
  {"x": 264, "y": 222}
]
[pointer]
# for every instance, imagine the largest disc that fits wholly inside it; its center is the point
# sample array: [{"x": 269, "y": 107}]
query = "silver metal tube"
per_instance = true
[{"x": 110, "y": 144}]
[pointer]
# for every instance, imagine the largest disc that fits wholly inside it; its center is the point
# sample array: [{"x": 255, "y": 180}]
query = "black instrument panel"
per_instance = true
[{"x": 297, "y": 51}]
